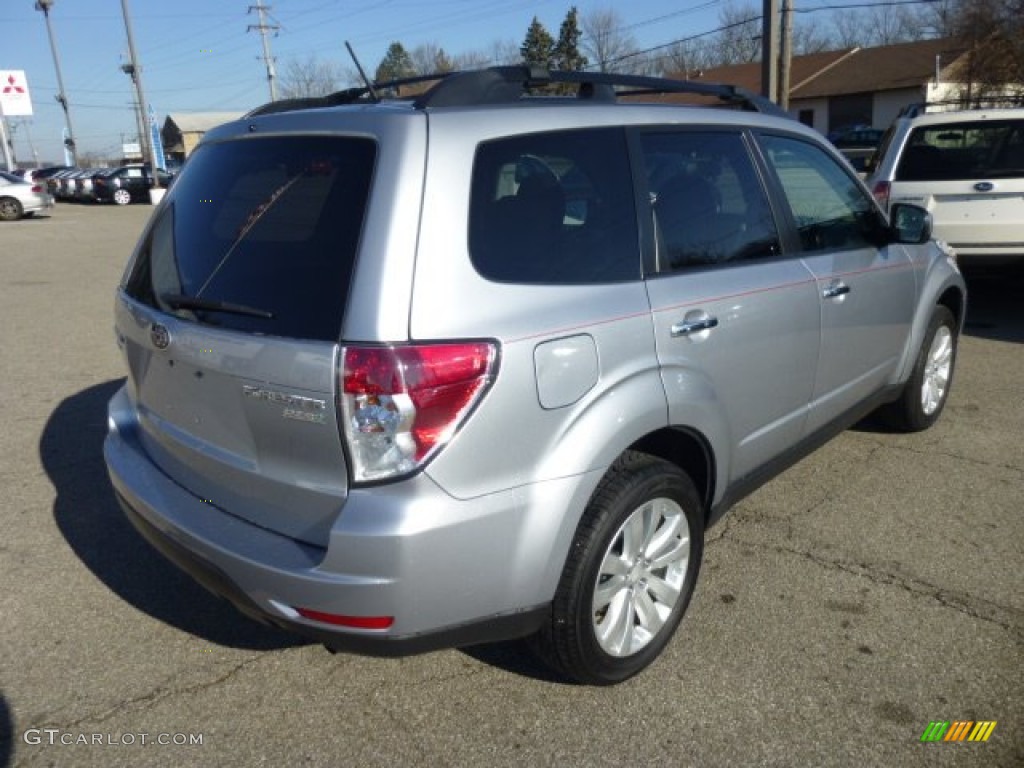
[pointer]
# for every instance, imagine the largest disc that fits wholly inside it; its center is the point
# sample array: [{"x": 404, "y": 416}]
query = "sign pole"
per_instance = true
[{"x": 3, "y": 138}]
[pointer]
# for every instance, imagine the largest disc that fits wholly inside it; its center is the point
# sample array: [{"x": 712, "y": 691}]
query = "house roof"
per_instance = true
[
  {"x": 749, "y": 75},
  {"x": 200, "y": 122},
  {"x": 851, "y": 70},
  {"x": 886, "y": 68}
]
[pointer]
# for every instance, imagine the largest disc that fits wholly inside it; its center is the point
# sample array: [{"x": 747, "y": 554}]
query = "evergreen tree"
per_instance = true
[
  {"x": 538, "y": 48},
  {"x": 395, "y": 65},
  {"x": 567, "y": 49}
]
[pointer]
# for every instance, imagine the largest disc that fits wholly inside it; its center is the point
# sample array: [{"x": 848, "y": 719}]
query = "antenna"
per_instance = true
[{"x": 362, "y": 74}]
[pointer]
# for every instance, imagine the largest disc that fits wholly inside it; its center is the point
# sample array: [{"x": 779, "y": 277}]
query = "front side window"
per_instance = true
[
  {"x": 260, "y": 235},
  {"x": 832, "y": 213},
  {"x": 554, "y": 208},
  {"x": 709, "y": 205}
]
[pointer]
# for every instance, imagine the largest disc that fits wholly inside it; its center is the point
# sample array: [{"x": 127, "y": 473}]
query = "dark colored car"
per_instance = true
[
  {"x": 858, "y": 145},
  {"x": 128, "y": 184}
]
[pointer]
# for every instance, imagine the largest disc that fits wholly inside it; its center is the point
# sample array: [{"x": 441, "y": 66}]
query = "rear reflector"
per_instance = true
[{"x": 355, "y": 622}]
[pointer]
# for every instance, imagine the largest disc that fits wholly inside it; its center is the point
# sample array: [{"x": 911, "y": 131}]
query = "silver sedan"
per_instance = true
[{"x": 20, "y": 198}]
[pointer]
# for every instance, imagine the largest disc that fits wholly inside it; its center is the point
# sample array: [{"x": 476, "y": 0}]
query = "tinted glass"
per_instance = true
[
  {"x": 708, "y": 202},
  {"x": 554, "y": 208},
  {"x": 953, "y": 151},
  {"x": 831, "y": 211},
  {"x": 270, "y": 224}
]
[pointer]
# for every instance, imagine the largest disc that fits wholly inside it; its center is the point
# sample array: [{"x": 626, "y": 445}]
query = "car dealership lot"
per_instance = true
[{"x": 870, "y": 590}]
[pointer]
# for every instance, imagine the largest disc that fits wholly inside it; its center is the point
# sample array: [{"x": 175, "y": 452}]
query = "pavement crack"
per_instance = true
[
  {"x": 146, "y": 700},
  {"x": 932, "y": 451},
  {"x": 1005, "y": 617}
]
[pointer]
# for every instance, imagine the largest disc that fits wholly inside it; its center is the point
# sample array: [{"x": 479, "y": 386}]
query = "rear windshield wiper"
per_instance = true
[{"x": 180, "y": 301}]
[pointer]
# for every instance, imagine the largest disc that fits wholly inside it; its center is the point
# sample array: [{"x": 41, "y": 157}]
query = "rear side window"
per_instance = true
[
  {"x": 989, "y": 148},
  {"x": 269, "y": 225},
  {"x": 554, "y": 208}
]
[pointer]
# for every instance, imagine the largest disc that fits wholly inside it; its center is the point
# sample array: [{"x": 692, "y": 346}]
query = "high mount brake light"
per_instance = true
[{"x": 402, "y": 403}]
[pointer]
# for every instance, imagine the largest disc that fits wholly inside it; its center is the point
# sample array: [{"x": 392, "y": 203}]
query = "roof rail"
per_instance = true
[
  {"x": 980, "y": 102},
  {"x": 512, "y": 84}
]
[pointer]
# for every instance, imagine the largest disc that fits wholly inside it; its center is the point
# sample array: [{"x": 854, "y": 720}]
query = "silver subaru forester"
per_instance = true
[{"x": 485, "y": 362}]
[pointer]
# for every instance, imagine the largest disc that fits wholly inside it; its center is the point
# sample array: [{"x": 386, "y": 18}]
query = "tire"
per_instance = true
[
  {"x": 926, "y": 391},
  {"x": 122, "y": 196},
  {"x": 10, "y": 209},
  {"x": 619, "y": 601}
]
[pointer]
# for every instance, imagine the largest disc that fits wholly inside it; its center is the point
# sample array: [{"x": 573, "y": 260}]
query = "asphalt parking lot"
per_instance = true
[{"x": 875, "y": 587}]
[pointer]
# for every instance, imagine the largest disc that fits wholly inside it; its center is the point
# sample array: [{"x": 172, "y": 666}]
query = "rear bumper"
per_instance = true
[{"x": 451, "y": 572}]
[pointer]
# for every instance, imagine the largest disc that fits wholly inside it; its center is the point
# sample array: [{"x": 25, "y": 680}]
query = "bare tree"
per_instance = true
[
  {"x": 938, "y": 17},
  {"x": 606, "y": 43},
  {"x": 503, "y": 52},
  {"x": 739, "y": 40},
  {"x": 890, "y": 24},
  {"x": 994, "y": 32},
  {"x": 848, "y": 30},
  {"x": 810, "y": 37},
  {"x": 688, "y": 58},
  {"x": 312, "y": 76},
  {"x": 430, "y": 58}
]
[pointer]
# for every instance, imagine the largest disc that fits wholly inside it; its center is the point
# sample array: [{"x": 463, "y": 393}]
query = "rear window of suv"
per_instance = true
[
  {"x": 963, "y": 150},
  {"x": 270, "y": 225}
]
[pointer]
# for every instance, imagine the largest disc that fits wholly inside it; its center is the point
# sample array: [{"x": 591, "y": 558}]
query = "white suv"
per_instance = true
[{"x": 967, "y": 169}]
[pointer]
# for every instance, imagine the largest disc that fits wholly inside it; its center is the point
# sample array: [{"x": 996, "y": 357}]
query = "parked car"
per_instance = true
[
  {"x": 482, "y": 365},
  {"x": 54, "y": 180},
  {"x": 84, "y": 184},
  {"x": 967, "y": 169},
  {"x": 127, "y": 184},
  {"x": 65, "y": 186},
  {"x": 41, "y": 174},
  {"x": 858, "y": 145},
  {"x": 20, "y": 198}
]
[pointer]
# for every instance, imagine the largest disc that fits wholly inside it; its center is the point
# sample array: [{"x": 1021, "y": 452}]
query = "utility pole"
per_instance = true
[
  {"x": 136, "y": 73},
  {"x": 770, "y": 50},
  {"x": 264, "y": 28},
  {"x": 69, "y": 142},
  {"x": 785, "y": 53}
]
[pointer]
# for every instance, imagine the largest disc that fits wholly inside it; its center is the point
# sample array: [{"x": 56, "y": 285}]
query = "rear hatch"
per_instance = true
[
  {"x": 970, "y": 175},
  {"x": 230, "y": 317}
]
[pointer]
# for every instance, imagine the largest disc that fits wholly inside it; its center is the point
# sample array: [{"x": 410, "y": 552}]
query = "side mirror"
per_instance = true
[{"x": 910, "y": 224}]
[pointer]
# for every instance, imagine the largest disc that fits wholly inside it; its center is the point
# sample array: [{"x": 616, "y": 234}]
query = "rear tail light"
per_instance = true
[
  {"x": 400, "y": 404},
  {"x": 37, "y": 188},
  {"x": 881, "y": 192}
]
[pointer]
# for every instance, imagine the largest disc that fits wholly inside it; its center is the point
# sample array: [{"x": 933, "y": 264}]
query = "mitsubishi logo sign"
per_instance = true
[{"x": 14, "y": 97}]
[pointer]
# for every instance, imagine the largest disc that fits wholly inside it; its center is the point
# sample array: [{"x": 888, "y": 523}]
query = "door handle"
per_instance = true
[
  {"x": 835, "y": 288},
  {"x": 686, "y": 327}
]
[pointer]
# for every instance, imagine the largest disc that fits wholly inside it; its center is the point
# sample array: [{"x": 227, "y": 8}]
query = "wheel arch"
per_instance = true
[
  {"x": 953, "y": 299},
  {"x": 690, "y": 451}
]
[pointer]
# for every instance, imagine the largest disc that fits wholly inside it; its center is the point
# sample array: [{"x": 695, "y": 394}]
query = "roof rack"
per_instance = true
[
  {"x": 513, "y": 84},
  {"x": 977, "y": 103}
]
